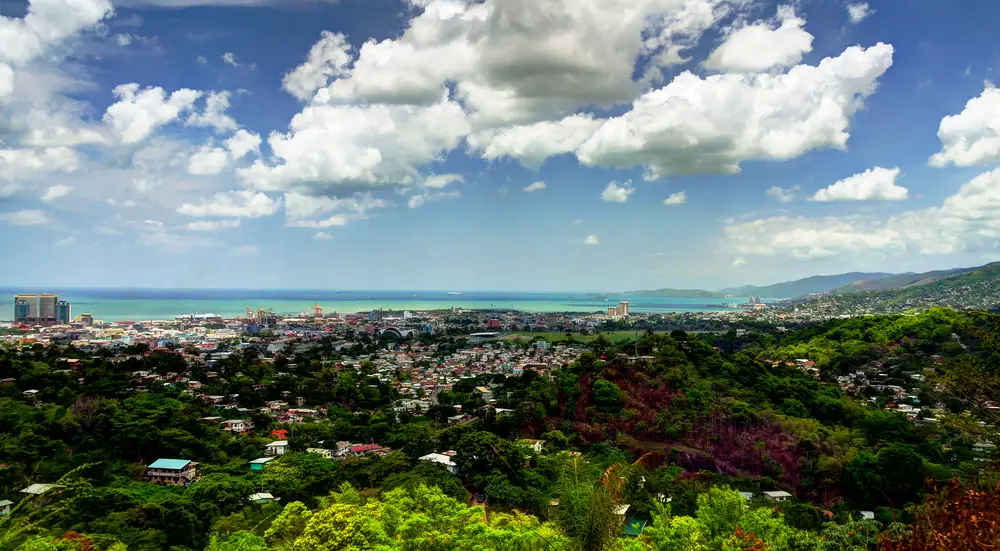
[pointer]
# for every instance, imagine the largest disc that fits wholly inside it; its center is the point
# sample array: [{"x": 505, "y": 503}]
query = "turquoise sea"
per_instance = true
[{"x": 150, "y": 304}]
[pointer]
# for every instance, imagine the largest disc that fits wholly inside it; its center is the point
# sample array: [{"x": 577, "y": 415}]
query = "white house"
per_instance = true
[
  {"x": 442, "y": 460},
  {"x": 535, "y": 445},
  {"x": 278, "y": 447},
  {"x": 779, "y": 495},
  {"x": 868, "y": 514},
  {"x": 322, "y": 452},
  {"x": 236, "y": 425}
]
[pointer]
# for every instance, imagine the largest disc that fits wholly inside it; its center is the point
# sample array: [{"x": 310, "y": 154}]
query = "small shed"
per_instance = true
[{"x": 262, "y": 498}]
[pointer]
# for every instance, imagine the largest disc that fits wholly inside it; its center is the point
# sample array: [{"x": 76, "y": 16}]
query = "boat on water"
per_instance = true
[{"x": 454, "y": 293}]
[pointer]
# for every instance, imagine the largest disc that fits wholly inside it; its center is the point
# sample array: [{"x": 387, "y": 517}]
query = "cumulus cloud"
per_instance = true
[
  {"x": 971, "y": 137},
  {"x": 968, "y": 221},
  {"x": 298, "y": 207},
  {"x": 24, "y": 162},
  {"x": 25, "y": 218},
  {"x": 678, "y": 198},
  {"x": 243, "y": 142},
  {"x": 615, "y": 193},
  {"x": 533, "y": 144},
  {"x": 327, "y": 58},
  {"x": 55, "y": 192},
  {"x": 212, "y": 225},
  {"x": 138, "y": 113},
  {"x": 208, "y": 160},
  {"x": 214, "y": 115},
  {"x": 230, "y": 58},
  {"x": 333, "y": 148},
  {"x": 536, "y": 186},
  {"x": 762, "y": 45},
  {"x": 858, "y": 12},
  {"x": 785, "y": 195},
  {"x": 46, "y": 23},
  {"x": 233, "y": 204},
  {"x": 591, "y": 240},
  {"x": 323, "y": 236},
  {"x": 874, "y": 184}
]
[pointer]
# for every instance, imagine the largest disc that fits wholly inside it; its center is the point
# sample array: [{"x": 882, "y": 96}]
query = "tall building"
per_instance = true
[
  {"x": 40, "y": 309},
  {"x": 620, "y": 311},
  {"x": 64, "y": 313}
]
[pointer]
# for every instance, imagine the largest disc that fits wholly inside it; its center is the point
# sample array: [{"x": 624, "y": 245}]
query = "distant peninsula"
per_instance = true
[{"x": 676, "y": 293}]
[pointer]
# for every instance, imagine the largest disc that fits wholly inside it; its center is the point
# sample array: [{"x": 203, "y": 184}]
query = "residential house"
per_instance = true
[
  {"x": 365, "y": 449},
  {"x": 322, "y": 452},
  {"x": 5, "y": 507},
  {"x": 278, "y": 447},
  {"x": 867, "y": 514},
  {"x": 779, "y": 495},
  {"x": 258, "y": 464},
  {"x": 442, "y": 459},
  {"x": 237, "y": 425},
  {"x": 172, "y": 471},
  {"x": 262, "y": 498},
  {"x": 39, "y": 489}
]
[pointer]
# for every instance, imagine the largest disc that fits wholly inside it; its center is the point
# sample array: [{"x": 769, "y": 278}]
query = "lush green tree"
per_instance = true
[{"x": 228, "y": 493}]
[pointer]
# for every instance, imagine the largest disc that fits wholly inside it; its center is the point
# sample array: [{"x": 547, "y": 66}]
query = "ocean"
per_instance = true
[{"x": 152, "y": 304}]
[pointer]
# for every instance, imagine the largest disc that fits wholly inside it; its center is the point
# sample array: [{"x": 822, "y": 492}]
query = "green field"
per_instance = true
[{"x": 612, "y": 336}]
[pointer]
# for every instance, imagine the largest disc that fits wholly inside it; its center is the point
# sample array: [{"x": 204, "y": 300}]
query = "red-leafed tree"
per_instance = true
[{"x": 954, "y": 518}]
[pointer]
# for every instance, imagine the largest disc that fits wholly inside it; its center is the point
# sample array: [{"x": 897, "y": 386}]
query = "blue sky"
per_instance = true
[{"x": 388, "y": 144}]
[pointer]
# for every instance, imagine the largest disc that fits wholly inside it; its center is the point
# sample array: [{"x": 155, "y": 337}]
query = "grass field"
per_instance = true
[{"x": 612, "y": 336}]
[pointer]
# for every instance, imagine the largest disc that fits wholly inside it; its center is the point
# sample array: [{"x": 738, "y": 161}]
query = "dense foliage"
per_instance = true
[{"x": 673, "y": 426}]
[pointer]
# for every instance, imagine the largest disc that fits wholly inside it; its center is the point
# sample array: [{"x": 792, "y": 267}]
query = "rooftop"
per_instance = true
[{"x": 170, "y": 464}]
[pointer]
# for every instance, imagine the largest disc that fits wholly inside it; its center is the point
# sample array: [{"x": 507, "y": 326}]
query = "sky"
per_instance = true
[{"x": 494, "y": 144}]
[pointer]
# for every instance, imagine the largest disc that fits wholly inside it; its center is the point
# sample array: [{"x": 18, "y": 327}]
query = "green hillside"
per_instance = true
[
  {"x": 801, "y": 287},
  {"x": 900, "y": 280}
]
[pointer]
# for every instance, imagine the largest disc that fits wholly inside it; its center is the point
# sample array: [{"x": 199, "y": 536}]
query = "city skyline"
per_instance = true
[{"x": 453, "y": 145}]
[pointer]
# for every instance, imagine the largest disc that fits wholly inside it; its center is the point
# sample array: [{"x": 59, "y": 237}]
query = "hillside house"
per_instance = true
[
  {"x": 365, "y": 449},
  {"x": 442, "y": 459},
  {"x": 278, "y": 447},
  {"x": 322, "y": 452},
  {"x": 535, "y": 445},
  {"x": 237, "y": 425},
  {"x": 178, "y": 472},
  {"x": 5, "y": 507},
  {"x": 258, "y": 464},
  {"x": 779, "y": 495}
]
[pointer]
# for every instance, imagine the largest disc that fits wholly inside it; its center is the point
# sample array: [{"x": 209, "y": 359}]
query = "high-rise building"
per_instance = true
[
  {"x": 623, "y": 308},
  {"x": 25, "y": 308},
  {"x": 64, "y": 312},
  {"x": 40, "y": 309},
  {"x": 47, "y": 308}
]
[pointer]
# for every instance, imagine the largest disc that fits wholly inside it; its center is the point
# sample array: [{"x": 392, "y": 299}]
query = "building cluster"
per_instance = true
[
  {"x": 43, "y": 309},
  {"x": 620, "y": 311}
]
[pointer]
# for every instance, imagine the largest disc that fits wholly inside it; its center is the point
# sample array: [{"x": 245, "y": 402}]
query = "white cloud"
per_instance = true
[
  {"x": 513, "y": 60},
  {"x": 208, "y": 160},
  {"x": 761, "y": 46},
  {"x": 340, "y": 219},
  {"x": 439, "y": 181},
  {"x": 142, "y": 186},
  {"x": 202, "y": 60},
  {"x": 856, "y": 13},
  {"x": 233, "y": 203},
  {"x": 243, "y": 142},
  {"x": 591, "y": 240},
  {"x": 785, "y": 195},
  {"x": 25, "y": 162},
  {"x": 212, "y": 225},
  {"x": 327, "y": 58},
  {"x": 332, "y": 148},
  {"x": 971, "y": 137},
  {"x": 532, "y": 144},
  {"x": 25, "y": 218},
  {"x": 230, "y": 58},
  {"x": 534, "y": 187},
  {"x": 426, "y": 197},
  {"x": 55, "y": 192},
  {"x": 46, "y": 23},
  {"x": 65, "y": 242},
  {"x": 968, "y": 221},
  {"x": 874, "y": 184},
  {"x": 323, "y": 236},
  {"x": 138, "y": 113},
  {"x": 710, "y": 125},
  {"x": 617, "y": 194},
  {"x": 678, "y": 198},
  {"x": 214, "y": 115},
  {"x": 9, "y": 189},
  {"x": 739, "y": 261}
]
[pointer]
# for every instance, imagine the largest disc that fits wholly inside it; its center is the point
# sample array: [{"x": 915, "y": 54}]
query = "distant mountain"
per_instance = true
[
  {"x": 801, "y": 287},
  {"x": 899, "y": 281},
  {"x": 676, "y": 293}
]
